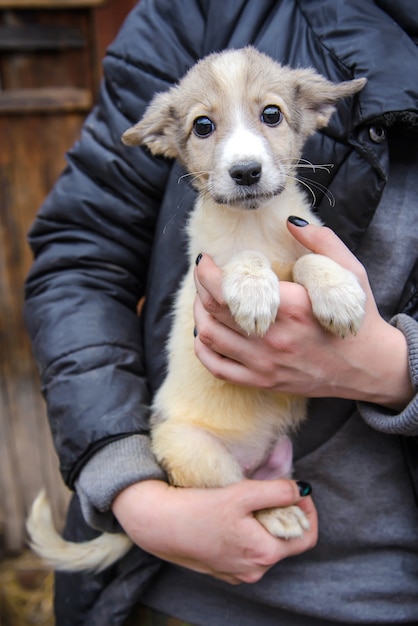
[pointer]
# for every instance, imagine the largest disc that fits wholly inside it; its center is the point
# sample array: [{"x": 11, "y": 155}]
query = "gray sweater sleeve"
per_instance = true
[
  {"x": 405, "y": 422},
  {"x": 116, "y": 466}
]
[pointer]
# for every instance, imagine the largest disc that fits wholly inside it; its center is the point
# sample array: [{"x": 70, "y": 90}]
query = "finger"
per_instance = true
[
  {"x": 265, "y": 494},
  {"x": 323, "y": 240},
  {"x": 295, "y": 305},
  {"x": 222, "y": 335},
  {"x": 226, "y": 368},
  {"x": 208, "y": 280}
]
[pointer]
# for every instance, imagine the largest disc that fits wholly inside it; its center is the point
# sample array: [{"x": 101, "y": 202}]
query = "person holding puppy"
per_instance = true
[{"x": 111, "y": 232}]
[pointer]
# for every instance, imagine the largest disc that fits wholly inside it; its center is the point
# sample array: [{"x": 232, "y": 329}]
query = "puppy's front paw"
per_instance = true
[
  {"x": 343, "y": 312},
  {"x": 285, "y": 523},
  {"x": 251, "y": 290},
  {"x": 337, "y": 298}
]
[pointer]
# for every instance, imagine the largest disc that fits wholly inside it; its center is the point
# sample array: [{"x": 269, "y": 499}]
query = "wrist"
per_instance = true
[{"x": 391, "y": 386}]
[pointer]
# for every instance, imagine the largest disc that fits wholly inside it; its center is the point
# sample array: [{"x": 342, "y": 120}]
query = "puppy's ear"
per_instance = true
[
  {"x": 157, "y": 128},
  {"x": 318, "y": 96}
]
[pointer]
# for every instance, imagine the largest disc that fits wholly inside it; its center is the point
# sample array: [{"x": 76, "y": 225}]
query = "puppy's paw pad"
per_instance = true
[{"x": 285, "y": 523}]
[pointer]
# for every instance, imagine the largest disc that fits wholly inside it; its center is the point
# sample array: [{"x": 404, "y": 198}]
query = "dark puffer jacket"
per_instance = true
[{"x": 111, "y": 231}]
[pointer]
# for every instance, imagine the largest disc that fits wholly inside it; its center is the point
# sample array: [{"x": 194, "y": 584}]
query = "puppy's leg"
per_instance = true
[
  {"x": 283, "y": 522},
  {"x": 336, "y": 295},
  {"x": 251, "y": 290},
  {"x": 193, "y": 457}
]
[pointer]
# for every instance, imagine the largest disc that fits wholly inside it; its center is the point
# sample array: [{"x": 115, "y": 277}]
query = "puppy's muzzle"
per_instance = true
[{"x": 246, "y": 173}]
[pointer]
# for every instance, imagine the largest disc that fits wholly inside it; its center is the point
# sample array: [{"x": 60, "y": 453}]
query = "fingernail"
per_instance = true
[
  {"x": 297, "y": 221},
  {"x": 195, "y": 331},
  {"x": 198, "y": 258},
  {"x": 305, "y": 489}
]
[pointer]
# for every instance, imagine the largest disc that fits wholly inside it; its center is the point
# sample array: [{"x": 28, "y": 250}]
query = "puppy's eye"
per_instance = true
[
  {"x": 271, "y": 115},
  {"x": 203, "y": 126}
]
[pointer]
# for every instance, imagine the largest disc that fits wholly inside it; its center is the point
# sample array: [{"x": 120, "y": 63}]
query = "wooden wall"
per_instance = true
[{"x": 50, "y": 52}]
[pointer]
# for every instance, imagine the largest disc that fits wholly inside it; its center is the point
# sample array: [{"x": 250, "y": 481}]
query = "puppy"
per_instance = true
[{"x": 237, "y": 122}]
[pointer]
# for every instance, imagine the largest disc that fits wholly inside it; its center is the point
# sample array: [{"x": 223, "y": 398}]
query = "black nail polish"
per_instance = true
[
  {"x": 198, "y": 258},
  {"x": 195, "y": 331},
  {"x": 305, "y": 488},
  {"x": 297, "y": 221}
]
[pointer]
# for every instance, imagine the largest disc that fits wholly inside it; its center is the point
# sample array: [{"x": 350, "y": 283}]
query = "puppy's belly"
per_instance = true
[{"x": 256, "y": 464}]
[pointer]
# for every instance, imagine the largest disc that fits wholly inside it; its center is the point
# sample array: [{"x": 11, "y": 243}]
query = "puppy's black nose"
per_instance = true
[{"x": 247, "y": 173}]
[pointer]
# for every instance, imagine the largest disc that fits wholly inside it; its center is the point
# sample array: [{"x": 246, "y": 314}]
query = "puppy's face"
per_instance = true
[
  {"x": 237, "y": 122},
  {"x": 238, "y": 137}
]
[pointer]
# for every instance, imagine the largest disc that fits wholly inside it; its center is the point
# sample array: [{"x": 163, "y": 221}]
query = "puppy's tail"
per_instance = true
[{"x": 94, "y": 555}]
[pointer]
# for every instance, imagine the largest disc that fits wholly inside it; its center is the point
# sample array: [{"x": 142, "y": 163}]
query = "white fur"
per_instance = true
[
  {"x": 337, "y": 298},
  {"x": 242, "y": 144},
  {"x": 95, "y": 555},
  {"x": 251, "y": 291}
]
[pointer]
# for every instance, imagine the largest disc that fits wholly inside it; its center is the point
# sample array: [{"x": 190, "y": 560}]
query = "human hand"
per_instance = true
[
  {"x": 297, "y": 355},
  {"x": 213, "y": 531}
]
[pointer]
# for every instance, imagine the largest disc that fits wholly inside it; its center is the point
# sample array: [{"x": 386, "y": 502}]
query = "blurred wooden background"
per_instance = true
[{"x": 50, "y": 67}]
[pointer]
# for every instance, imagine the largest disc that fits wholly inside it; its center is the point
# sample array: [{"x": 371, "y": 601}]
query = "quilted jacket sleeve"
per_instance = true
[{"x": 92, "y": 241}]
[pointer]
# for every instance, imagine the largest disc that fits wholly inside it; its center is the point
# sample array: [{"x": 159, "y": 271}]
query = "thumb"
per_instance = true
[
  {"x": 322, "y": 240},
  {"x": 265, "y": 494}
]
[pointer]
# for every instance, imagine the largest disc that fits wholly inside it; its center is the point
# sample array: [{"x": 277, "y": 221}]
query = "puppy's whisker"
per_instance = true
[
  {"x": 305, "y": 184},
  {"x": 327, "y": 193},
  {"x": 170, "y": 221},
  {"x": 305, "y": 164},
  {"x": 308, "y": 183},
  {"x": 193, "y": 175},
  {"x": 327, "y": 167},
  {"x": 207, "y": 194}
]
